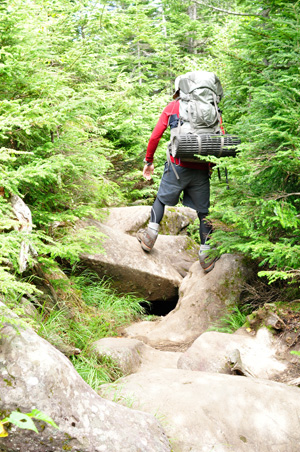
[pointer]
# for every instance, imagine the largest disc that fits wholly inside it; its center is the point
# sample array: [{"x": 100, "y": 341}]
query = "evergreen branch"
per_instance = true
[
  {"x": 263, "y": 14},
  {"x": 251, "y": 63}
]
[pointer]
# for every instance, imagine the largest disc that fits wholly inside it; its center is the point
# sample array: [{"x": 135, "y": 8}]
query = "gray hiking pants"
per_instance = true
[{"x": 193, "y": 183}]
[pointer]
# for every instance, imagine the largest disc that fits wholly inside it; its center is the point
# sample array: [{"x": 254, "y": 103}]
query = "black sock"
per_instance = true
[
  {"x": 205, "y": 228},
  {"x": 157, "y": 211}
]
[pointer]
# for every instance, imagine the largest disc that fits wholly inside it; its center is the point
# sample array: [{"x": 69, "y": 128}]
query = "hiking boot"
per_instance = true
[
  {"x": 148, "y": 237},
  {"x": 207, "y": 262}
]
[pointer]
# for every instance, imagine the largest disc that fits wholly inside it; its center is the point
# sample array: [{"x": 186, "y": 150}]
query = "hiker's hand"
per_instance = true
[{"x": 148, "y": 171}]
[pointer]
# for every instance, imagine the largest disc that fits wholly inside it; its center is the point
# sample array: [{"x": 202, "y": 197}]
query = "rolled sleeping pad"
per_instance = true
[{"x": 189, "y": 146}]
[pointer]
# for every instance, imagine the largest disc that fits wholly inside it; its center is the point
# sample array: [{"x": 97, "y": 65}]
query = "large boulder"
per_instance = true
[
  {"x": 205, "y": 412},
  {"x": 176, "y": 220},
  {"x": 154, "y": 276},
  {"x": 127, "y": 219},
  {"x": 180, "y": 250},
  {"x": 130, "y": 219},
  {"x": 257, "y": 355},
  {"x": 33, "y": 374},
  {"x": 125, "y": 352},
  {"x": 132, "y": 355},
  {"x": 204, "y": 298}
]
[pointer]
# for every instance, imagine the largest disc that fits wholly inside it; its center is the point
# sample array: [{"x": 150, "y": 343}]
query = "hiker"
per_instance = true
[{"x": 190, "y": 177}]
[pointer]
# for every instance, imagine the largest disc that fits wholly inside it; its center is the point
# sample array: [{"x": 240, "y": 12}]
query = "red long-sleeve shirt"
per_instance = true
[{"x": 171, "y": 109}]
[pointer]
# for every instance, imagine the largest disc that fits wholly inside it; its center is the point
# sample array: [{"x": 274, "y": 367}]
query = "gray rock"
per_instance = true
[
  {"x": 131, "y": 219},
  {"x": 212, "y": 350},
  {"x": 33, "y": 374},
  {"x": 152, "y": 358},
  {"x": 127, "y": 219},
  {"x": 176, "y": 220},
  {"x": 204, "y": 298},
  {"x": 181, "y": 251},
  {"x": 204, "y": 412},
  {"x": 124, "y": 351},
  {"x": 29, "y": 309},
  {"x": 132, "y": 355},
  {"x": 154, "y": 276}
]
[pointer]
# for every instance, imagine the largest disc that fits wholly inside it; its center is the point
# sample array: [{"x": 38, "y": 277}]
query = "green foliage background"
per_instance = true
[
  {"x": 261, "y": 209},
  {"x": 82, "y": 86}
]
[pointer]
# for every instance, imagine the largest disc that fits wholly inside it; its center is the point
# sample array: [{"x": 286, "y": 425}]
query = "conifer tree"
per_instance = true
[{"x": 261, "y": 209}]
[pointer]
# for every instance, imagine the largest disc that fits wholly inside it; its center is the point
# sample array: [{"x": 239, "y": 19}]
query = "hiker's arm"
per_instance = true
[{"x": 157, "y": 134}]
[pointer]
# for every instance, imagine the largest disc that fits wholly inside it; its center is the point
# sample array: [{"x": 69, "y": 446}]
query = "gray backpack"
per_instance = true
[
  {"x": 198, "y": 131},
  {"x": 200, "y": 93}
]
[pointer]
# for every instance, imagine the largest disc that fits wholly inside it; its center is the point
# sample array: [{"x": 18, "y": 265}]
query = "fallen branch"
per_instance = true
[
  {"x": 295, "y": 382},
  {"x": 23, "y": 215},
  {"x": 236, "y": 366}
]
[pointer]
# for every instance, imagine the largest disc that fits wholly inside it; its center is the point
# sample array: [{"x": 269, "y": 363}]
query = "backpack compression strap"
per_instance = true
[{"x": 170, "y": 146}]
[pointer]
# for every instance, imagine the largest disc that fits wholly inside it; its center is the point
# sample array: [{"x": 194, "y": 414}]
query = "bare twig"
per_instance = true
[{"x": 286, "y": 195}]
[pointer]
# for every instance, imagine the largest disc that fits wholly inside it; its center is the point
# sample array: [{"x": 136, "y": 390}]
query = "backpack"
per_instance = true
[
  {"x": 200, "y": 93},
  {"x": 199, "y": 126}
]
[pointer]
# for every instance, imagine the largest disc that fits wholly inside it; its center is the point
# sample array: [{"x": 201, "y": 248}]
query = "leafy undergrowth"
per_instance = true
[
  {"x": 231, "y": 321},
  {"x": 260, "y": 300},
  {"x": 107, "y": 312}
]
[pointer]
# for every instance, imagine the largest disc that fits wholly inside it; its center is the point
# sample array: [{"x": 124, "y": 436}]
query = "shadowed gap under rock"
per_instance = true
[{"x": 160, "y": 307}]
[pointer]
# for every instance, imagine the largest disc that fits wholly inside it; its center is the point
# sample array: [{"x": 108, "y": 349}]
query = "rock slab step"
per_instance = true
[
  {"x": 204, "y": 298},
  {"x": 132, "y": 355},
  {"x": 259, "y": 354},
  {"x": 151, "y": 276},
  {"x": 204, "y": 412},
  {"x": 130, "y": 219}
]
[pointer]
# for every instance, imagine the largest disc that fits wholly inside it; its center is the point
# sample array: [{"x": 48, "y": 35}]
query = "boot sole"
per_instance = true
[
  {"x": 145, "y": 247},
  {"x": 210, "y": 267}
]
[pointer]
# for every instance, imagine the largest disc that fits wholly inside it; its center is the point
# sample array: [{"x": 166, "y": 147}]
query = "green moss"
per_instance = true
[
  {"x": 65, "y": 445},
  {"x": 226, "y": 283},
  {"x": 191, "y": 245}
]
